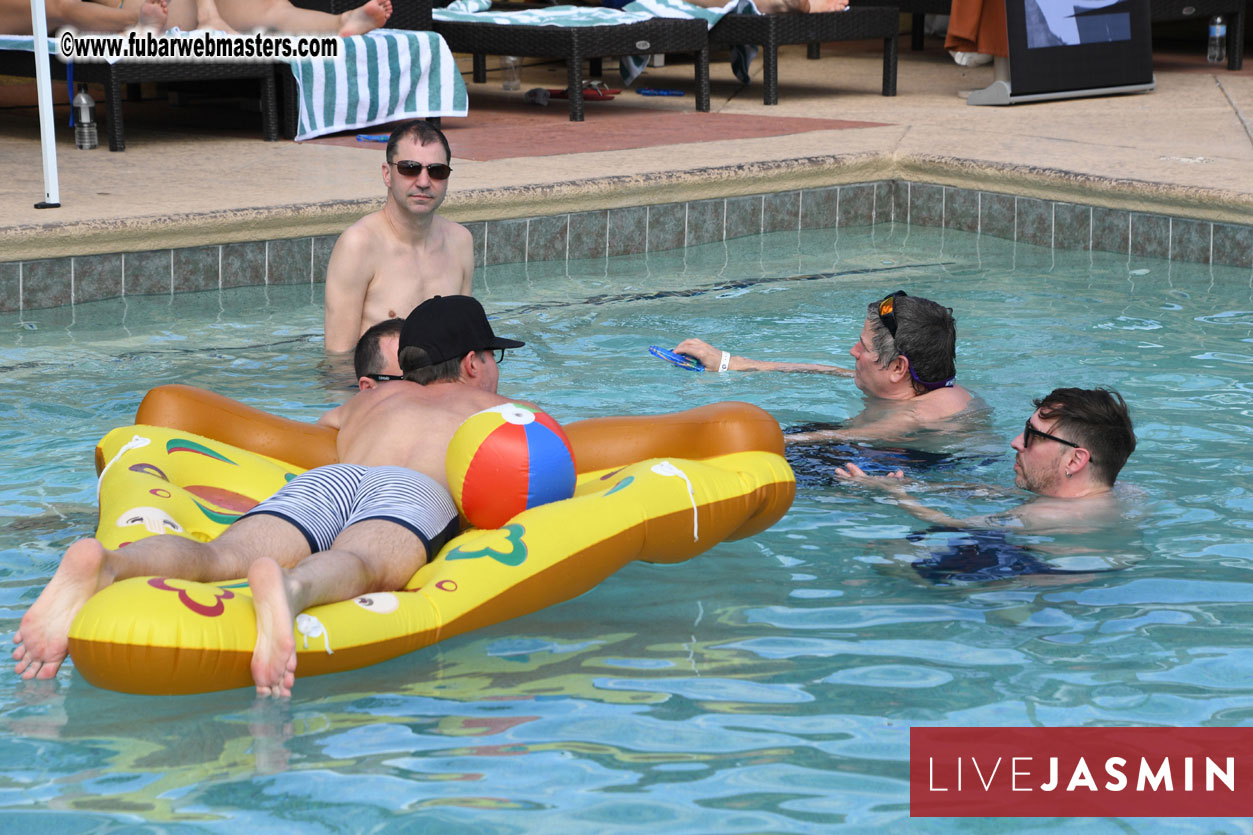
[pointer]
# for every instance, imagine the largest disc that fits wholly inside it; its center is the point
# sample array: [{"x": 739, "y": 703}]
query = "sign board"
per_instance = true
[{"x": 1069, "y": 48}]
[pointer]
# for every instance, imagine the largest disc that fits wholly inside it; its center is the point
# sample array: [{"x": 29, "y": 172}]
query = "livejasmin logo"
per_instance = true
[
  {"x": 1081, "y": 775},
  {"x": 1073, "y": 772}
]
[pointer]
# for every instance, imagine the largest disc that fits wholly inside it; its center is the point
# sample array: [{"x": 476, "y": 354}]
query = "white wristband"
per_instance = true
[{"x": 724, "y": 363}]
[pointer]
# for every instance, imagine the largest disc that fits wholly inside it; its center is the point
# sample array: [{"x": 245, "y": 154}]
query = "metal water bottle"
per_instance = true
[
  {"x": 86, "y": 135},
  {"x": 1217, "y": 51}
]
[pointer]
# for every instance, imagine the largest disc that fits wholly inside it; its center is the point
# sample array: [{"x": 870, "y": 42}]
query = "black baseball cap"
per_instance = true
[{"x": 448, "y": 327}]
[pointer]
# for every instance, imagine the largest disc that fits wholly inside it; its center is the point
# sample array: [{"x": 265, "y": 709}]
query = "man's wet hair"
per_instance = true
[
  {"x": 1096, "y": 419},
  {"x": 368, "y": 357},
  {"x": 414, "y": 362},
  {"x": 423, "y": 131},
  {"x": 926, "y": 333}
]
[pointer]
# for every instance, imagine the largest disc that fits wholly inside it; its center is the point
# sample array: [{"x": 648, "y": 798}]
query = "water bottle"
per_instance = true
[
  {"x": 1217, "y": 52},
  {"x": 86, "y": 136},
  {"x": 511, "y": 69}
]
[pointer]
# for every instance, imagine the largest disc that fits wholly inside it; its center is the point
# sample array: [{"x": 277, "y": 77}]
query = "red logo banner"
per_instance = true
[{"x": 1080, "y": 772}]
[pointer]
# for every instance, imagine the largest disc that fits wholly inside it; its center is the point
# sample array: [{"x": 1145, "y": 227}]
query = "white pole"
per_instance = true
[{"x": 47, "y": 128}]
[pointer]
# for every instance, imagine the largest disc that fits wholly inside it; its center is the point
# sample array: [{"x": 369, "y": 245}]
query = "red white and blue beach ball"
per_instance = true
[{"x": 506, "y": 459}]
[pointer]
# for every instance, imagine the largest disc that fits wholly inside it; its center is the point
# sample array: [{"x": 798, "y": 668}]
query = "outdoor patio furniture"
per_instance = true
[
  {"x": 917, "y": 10},
  {"x": 574, "y": 44},
  {"x": 406, "y": 14},
  {"x": 773, "y": 30},
  {"x": 113, "y": 76}
]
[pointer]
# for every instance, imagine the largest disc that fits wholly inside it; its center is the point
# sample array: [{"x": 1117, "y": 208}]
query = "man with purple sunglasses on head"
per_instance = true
[{"x": 905, "y": 364}]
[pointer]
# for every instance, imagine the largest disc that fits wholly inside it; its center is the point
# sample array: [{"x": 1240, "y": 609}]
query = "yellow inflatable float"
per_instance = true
[{"x": 658, "y": 488}]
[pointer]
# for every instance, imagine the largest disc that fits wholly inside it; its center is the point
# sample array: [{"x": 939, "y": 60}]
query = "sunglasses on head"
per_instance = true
[
  {"x": 435, "y": 170},
  {"x": 887, "y": 311},
  {"x": 1030, "y": 433},
  {"x": 383, "y": 378}
]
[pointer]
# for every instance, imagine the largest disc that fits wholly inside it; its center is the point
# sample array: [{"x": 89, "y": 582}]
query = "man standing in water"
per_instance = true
[
  {"x": 905, "y": 362},
  {"x": 392, "y": 260},
  {"x": 333, "y": 533}
]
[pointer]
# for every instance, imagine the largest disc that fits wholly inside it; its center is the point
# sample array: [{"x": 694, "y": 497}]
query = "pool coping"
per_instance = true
[{"x": 56, "y": 264}]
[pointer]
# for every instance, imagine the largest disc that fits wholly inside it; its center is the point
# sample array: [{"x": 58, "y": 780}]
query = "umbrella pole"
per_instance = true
[{"x": 47, "y": 128}]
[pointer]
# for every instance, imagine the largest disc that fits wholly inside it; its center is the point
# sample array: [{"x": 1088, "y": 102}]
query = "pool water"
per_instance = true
[{"x": 767, "y": 685}]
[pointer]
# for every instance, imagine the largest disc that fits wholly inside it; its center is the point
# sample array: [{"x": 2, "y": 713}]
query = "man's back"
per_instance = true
[{"x": 409, "y": 425}]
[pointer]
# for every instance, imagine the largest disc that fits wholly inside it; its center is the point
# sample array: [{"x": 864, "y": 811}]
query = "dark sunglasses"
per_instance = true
[
  {"x": 383, "y": 378},
  {"x": 500, "y": 354},
  {"x": 409, "y": 168},
  {"x": 887, "y": 311},
  {"x": 1030, "y": 432}
]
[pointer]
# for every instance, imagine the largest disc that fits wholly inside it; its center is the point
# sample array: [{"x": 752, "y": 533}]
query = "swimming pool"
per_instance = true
[{"x": 765, "y": 686}]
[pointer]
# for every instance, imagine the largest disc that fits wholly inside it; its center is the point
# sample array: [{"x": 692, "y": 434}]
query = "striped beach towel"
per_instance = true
[
  {"x": 382, "y": 76},
  {"x": 477, "y": 11}
]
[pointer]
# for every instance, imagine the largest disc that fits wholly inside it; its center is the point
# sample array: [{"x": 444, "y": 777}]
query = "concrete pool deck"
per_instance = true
[{"x": 1185, "y": 149}]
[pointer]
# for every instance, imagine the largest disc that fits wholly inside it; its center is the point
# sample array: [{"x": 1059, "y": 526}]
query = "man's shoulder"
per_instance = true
[
  {"x": 453, "y": 230},
  {"x": 365, "y": 233}
]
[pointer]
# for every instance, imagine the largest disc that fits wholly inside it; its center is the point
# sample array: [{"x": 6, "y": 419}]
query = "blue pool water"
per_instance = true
[{"x": 767, "y": 685}]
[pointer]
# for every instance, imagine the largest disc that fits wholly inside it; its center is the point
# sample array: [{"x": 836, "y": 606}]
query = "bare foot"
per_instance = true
[
  {"x": 152, "y": 14},
  {"x": 274, "y": 656},
  {"x": 828, "y": 5},
  {"x": 43, "y": 637},
  {"x": 365, "y": 18}
]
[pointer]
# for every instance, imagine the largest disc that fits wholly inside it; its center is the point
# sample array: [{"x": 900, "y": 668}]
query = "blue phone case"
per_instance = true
[{"x": 681, "y": 360}]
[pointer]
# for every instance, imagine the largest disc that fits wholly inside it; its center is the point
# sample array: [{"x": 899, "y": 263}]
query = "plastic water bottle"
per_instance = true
[
  {"x": 1217, "y": 52},
  {"x": 86, "y": 136},
  {"x": 511, "y": 69}
]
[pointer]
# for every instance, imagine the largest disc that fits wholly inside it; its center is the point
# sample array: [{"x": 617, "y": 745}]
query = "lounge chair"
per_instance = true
[
  {"x": 15, "y": 60},
  {"x": 574, "y": 44},
  {"x": 773, "y": 30}
]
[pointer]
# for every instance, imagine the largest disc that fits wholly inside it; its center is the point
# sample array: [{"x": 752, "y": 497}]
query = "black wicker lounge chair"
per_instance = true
[
  {"x": 113, "y": 76},
  {"x": 773, "y": 30},
  {"x": 578, "y": 43}
]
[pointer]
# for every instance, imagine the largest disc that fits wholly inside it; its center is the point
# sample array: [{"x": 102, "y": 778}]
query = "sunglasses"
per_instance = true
[
  {"x": 887, "y": 312},
  {"x": 383, "y": 378},
  {"x": 409, "y": 168},
  {"x": 1030, "y": 432},
  {"x": 499, "y": 353}
]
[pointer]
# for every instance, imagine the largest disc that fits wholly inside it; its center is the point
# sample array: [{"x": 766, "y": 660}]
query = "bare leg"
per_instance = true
[
  {"x": 84, "y": 16},
  {"x": 282, "y": 16},
  {"x": 367, "y": 557},
  {"x": 43, "y": 636}
]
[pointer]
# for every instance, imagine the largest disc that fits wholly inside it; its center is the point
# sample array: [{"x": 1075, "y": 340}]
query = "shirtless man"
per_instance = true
[
  {"x": 84, "y": 16},
  {"x": 905, "y": 364},
  {"x": 333, "y": 533},
  {"x": 397, "y": 257},
  {"x": 1069, "y": 454},
  {"x": 272, "y": 15}
]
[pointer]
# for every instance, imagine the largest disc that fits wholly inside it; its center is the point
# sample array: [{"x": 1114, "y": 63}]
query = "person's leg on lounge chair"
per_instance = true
[
  {"x": 83, "y": 16},
  {"x": 282, "y": 16},
  {"x": 272, "y": 15}
]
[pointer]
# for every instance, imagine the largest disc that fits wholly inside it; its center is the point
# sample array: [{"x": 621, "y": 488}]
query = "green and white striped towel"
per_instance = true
[
  {"x": 382, "y": 76},
  {"x": 476, "y": 11}
]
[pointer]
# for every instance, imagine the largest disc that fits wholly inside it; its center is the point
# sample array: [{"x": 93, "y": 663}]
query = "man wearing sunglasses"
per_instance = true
[
  {"x": 905, "y": 363},
  {"x": 394, "y": 259},
  {"x": 1069, "y": 454},
  {"x": 365, "y": 524}
]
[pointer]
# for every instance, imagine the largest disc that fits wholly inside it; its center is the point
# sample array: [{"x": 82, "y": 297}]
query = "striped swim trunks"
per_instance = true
[{"x": 324, "y": 501}]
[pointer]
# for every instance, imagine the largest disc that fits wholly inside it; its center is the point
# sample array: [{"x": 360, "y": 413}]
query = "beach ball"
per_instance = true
[{"x": 506, "y": 459}]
